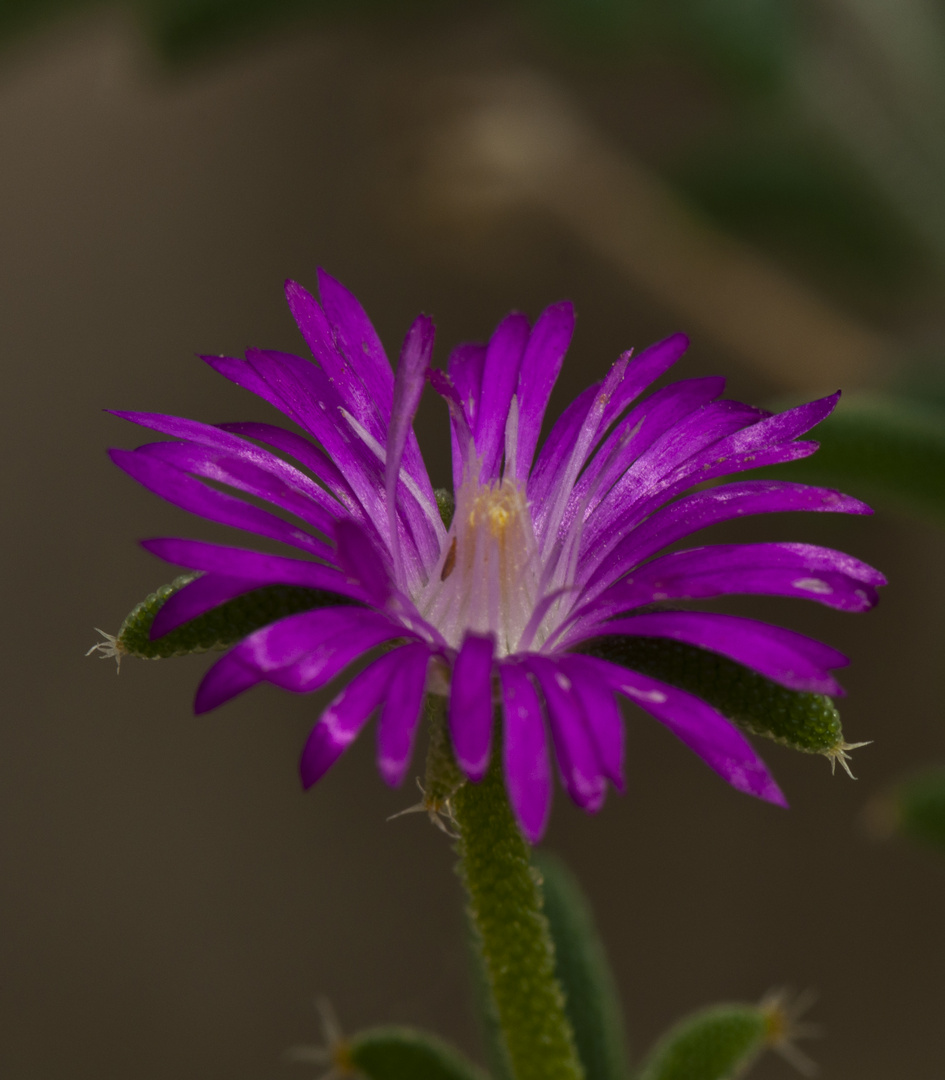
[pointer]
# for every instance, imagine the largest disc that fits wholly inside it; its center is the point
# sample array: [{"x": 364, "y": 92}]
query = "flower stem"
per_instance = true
[{"x": 511, "y": 932}]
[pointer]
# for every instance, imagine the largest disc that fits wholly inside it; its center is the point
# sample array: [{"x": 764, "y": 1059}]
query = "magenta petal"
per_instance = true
[
  {"x": 341, "y": 723},
  {"x": 408, "y": 387},
  {"x": 363, "y": 562},
  {"x": 525, "y": 757},
  {"x": 316, "y": 460},
  {"x": 238, "y": 562},
  {"x": 291, "y": 639},
  {"x": 359, "y": 338},
  {"x": 706, "y": 732},
  {"x": 557, "y": 447},
  {"x": 304, "y": 451},
  {"x": 767, "y": 442},
  {"x": 574, "y": 748},
  {"x": 303, "y": 497},
  {"x": 401, "y": 713},
  {"x": 270, "y": 652},
  {"x": 243, "y": 374},
  {"x": 323, "y": 662},
  {"x": 470, "y": 710},
  {"x": 804, "y": 571},
  {"x": 789, "y": 658},
  {"x": 189, "y": 494},
  {"x": 362, "y": 348},
  {"x": 639, "y": 429},
  {"x": 705, "y": 508},
  {"x": 669, "y": 457},
  {"x": 541, "y": 364},
  {"x": 317, "y": 333},
  {"x": 227, "y": 678},
  {"x": 465, "y": 367},
  {"x": 644, "y": 369},
  {"x": 309, "y": 396},
  {"x": 570, "y": 464},
  {"x": 602, "y": 714},
  {"x": 463, "y": 407},
  {"x": 311, "y": 320},
  {"x": 499, "y": 379}
]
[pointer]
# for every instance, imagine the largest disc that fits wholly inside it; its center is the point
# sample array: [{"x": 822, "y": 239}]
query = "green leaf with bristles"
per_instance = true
[
  {"x": 760, "y": 706},
  {"x": 400, "y": 1053},
  {"x": 717, "y": 1043},
  {"x": 216, "y": 629},
  {"x": 590, "y": 992}
]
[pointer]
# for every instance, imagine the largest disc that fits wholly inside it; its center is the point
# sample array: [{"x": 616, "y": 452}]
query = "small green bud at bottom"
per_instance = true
[
  {"x": 723, "y": 1041},
  {"x": 396, "y": 1053}
]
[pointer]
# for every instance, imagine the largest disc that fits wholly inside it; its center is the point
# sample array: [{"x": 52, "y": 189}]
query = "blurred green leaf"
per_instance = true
[
  {"x": 398, "y": 1053},
  {"x": 774, "y": 184},
  {"x": 217, "y": 629},
  {"x": 802, "y": 721},
  {"x": 918, "y": 807},
  {"x": 747, "y": 42},
  {"x": 718, "y": 1043},
  {"x": 590, "y": 992},
  {"x": 890, "y": 450}
]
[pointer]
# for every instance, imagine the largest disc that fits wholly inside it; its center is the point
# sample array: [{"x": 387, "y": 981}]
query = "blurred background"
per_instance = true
[{"x": 766, "y": 175}]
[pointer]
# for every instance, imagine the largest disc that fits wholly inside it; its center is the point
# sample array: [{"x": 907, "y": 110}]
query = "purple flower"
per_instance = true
[{"x": 547, "y": 548}]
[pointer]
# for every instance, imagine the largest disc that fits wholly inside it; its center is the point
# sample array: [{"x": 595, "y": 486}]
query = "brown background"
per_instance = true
[{"x": 170, "y": 901}]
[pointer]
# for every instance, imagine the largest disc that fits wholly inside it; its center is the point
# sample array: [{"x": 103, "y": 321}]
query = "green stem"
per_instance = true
[{"x": 505, "y": 908}]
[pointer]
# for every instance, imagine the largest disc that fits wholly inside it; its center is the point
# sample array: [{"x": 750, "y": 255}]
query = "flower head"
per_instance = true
[{"x": 545, "y": 550}]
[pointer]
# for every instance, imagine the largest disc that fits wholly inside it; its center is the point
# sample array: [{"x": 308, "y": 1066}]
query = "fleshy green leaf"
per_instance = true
[
  {"x": 918, "y": 807},
  {"x": 591, "y": 1000},
  {"x": 217, "y": 629},
  {"x": 802, "y": 721},
  {"x": 888, "y": 449},
  {"x": 717, "y": 1043},
  {"x": 398, "y": 1053}
]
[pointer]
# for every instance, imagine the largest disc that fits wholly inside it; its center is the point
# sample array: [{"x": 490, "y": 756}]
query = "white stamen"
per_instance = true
[{"x": 488, "y": 581}]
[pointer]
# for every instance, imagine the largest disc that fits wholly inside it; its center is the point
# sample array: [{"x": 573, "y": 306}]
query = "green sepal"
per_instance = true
[
  {"x": 591, "y": 1000},
  {"x": 718, "y": 1043},
  {"x": 760, "y": 706},
  {"x": 886, "y": 448},
  {"x": 217, "y": 629},
  {"x": 446, "y": 504},
  {"x": 400, "y": 1053},
  {"x": 918, "y": 807}
]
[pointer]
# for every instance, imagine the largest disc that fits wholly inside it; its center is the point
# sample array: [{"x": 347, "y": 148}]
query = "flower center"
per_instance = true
[{"x": 488, "y": 575}]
